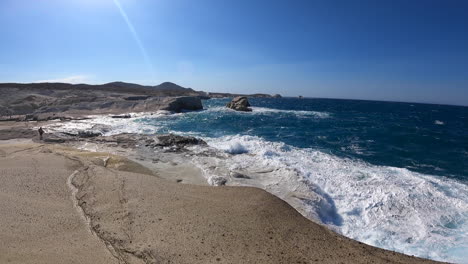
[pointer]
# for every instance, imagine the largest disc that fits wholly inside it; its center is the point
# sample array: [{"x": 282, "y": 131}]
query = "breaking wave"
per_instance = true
[
  {"x": 387, "y": 207},
  {"x": 265, "y": 110},
  {"x": 289, "y": 153}
]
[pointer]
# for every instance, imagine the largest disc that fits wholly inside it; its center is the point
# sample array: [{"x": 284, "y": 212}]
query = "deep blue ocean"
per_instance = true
[
  {"x": 393, "y": 175},
  {"x": 426, "y": 138},
  {"x": 390, "y": 174}
]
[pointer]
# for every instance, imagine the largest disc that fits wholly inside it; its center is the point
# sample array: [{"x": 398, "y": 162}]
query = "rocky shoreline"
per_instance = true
[
  {"x": 145, "y": 203},
  {"x": 119, "y": 108},
  {"x": 146, "y": 197},
  {"x": 62, "y": 101}
]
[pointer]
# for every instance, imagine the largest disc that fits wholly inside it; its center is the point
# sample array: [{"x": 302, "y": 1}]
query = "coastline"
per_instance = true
[{"x": 148, "y": 215}]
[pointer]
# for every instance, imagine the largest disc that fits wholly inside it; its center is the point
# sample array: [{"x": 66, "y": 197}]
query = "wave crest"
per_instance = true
[
  {"x": 388, "y": 207},
  {"x": 265, "y": 110}
]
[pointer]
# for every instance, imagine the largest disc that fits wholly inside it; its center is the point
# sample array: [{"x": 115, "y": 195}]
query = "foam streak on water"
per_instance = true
[
  {"x": 266, "y": 110},
  {"x": 388, "y": 207},
  {"x": 107, "y": 126}
]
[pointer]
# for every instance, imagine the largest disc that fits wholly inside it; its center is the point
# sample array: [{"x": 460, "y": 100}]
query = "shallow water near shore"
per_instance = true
[{"x": 392, "y": 175}]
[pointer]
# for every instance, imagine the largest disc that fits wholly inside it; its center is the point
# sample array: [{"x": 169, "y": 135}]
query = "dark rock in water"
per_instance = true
[
  {"x": 83, "y": 134},
  {"x": 277, "y": 96},
  {"x": 121, "y": 116},
  {"x": 88, "y": 134},
  {"x": 238, "y": 175},
  {"x": 175, "y": 140},
  {"x": 240, "y": 103}
]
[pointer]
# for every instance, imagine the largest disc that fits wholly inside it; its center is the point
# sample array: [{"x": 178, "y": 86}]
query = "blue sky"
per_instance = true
[{"x": 384, "y": 50}]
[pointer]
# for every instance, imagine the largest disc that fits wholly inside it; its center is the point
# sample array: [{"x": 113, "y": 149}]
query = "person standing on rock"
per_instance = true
[{"x": 41, "y": 132}]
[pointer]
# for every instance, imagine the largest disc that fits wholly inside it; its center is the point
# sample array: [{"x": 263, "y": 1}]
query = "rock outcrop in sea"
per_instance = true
[
  {"x": 240, "y": 103},
  {"x": 179, "y": 104},
  {"x": 170, "y": 140}
]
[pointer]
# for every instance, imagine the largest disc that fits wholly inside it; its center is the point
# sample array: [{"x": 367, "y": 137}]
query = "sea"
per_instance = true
[{"x": 390, "y": 174}]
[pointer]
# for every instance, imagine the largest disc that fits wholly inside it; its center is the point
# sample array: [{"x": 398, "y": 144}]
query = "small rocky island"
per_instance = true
[{"x": 240, "y": 103}]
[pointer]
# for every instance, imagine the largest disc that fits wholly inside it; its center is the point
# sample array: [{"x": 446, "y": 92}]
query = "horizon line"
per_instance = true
[{"x": 283, "y": 96}]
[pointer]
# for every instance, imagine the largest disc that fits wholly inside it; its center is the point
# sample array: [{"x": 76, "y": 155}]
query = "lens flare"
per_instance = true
[{"x": 135, "y": 36}]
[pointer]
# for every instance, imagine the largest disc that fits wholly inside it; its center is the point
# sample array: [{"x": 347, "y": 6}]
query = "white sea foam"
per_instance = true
[
  {"x": 265, "y": 110},
  {"x": 438, "y": 122},
  {"x": 388, "y": 207},
  {"x": 236, "y": 148},
  {"x": 295, "y": 112},
  {"x": 107, "y": 126}
]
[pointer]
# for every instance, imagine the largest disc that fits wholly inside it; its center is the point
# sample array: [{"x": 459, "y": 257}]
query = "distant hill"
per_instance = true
[
  {"x": 43, "y": 101},
  {"x": 163, "y": 89},
  {"x": 257, "y": 95},
  {"x": 166, "y": 87}
]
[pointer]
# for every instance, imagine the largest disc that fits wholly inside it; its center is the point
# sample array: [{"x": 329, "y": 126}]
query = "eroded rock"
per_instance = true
[
  {"x": 240, "y": 103},
  {"x": 176, "y": 140},
  {"x": 238, "y": 175}
]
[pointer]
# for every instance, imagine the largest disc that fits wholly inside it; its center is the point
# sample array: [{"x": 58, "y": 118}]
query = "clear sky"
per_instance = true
[{"x": 403, "y": 50}]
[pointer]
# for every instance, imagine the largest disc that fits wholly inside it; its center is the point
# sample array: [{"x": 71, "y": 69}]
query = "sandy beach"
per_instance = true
[
  {"x": 63, "y": 205},
  {"x": 234, "y": 132}
]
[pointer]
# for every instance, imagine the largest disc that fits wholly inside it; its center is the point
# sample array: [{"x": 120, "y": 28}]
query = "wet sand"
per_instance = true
[{"x": 61, "y": 205}]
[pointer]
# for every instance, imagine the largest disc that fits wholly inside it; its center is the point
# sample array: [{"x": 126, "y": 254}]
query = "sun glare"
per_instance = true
[{"x": 135, "y": 35}]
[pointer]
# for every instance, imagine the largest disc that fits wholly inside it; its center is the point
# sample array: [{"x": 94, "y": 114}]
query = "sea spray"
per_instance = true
[
  {"x": 386, "y": 174},
  {"x": 388, "y": 207}
]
